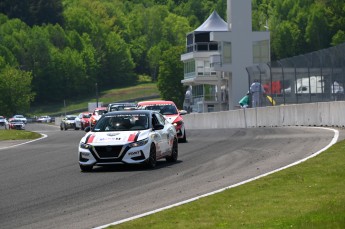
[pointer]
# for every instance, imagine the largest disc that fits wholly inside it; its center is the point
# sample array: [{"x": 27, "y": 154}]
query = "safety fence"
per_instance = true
[{"x": 314, "y": 77}]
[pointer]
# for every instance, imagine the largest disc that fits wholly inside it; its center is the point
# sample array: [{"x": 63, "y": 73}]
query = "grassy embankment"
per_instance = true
[
  {"x": 109, "y": 96},
  {"x": 309, "y": 195}
]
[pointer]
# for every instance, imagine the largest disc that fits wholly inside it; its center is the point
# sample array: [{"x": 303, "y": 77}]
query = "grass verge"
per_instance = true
[
  {"x": 17, "y": 135},
  {"x": 309, "y": 195}
]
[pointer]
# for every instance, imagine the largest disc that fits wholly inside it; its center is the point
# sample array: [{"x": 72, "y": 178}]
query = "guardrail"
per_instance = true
[{"x": 308, "y": 114}]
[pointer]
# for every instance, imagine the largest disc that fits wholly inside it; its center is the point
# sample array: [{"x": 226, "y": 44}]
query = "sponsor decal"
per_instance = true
[
  {"x": 136, "y": 153},
  {"x": 109, "y": 139},
  {"x": 113, "y": 134}
]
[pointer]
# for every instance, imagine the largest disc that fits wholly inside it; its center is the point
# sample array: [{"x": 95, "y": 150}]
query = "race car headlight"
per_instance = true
[
  {"x": 138, "y": 143},
  {"x": 179, "y": 123},
  {"x": 85, "y": 146}
]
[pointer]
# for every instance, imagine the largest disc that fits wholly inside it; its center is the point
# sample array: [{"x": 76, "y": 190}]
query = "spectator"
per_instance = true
[
  {"x": 245, "y": 101},
  {"x": 257, "y": 91}
]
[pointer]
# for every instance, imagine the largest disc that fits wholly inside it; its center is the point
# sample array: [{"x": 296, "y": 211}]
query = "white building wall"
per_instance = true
[{"x": 241, "y": 37}]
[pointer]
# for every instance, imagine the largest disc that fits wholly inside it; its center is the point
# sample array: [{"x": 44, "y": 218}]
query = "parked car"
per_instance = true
[
  {"x": 169, "y": 110},
  {"x": 3, "y": 121},
  {"x": 20, "y": 117},
  {"x": 16, "y": 124},
  {"x": 96, "y": 114},
  {"x": 83, "y": 120},
  {"x": 120, "y": 106},
  {"x": 68, "y": 122},
  {"x": 44, "y": 118},
  {"x": 131, "y": 137}
]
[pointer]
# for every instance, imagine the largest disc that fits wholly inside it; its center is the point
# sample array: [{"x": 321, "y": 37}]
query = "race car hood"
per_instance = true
[
  {"x": 172, "y": 118},
  {"x": 96, "y": 117},
  {"x": 114, "y": 138}
]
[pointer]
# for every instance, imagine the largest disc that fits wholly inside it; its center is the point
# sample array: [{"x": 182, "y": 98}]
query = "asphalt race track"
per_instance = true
[{"x": 42, "y": 186}]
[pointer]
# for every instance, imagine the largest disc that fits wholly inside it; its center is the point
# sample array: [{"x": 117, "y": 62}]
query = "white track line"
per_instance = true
[{"x": 334, "y": 140}]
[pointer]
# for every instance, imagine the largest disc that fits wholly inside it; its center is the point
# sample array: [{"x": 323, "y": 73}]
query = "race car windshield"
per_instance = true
[
  {"x": 99, "y": 112},
  {"x": 122, "y": 122},
  {"x": 164, "y": 109}
]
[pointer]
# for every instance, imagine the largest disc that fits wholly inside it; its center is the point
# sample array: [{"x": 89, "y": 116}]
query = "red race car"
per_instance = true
[
  {"x": 169, "y": 110},
  {"x": 16, "y": 124},
  {"x": 96, "y": 114},
  {"x": 83, "y": 120}
]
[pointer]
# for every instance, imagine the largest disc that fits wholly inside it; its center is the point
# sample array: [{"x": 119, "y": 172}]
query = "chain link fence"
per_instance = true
[{"x": 313, "y": 77}]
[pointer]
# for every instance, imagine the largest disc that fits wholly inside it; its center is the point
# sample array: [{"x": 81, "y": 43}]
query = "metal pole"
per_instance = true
[
  {"x": 64, "y": 106},
  {"x": 96, "y": 95}
]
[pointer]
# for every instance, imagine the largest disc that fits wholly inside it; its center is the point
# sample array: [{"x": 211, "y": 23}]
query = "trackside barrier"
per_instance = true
[{"x": 308, "y": 114}]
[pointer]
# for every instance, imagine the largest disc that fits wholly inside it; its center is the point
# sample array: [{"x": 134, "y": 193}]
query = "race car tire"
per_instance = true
[
  {"x": 152, "y": 160},
  {"x": 184, "y": 139},
  {"x": 86, "y": 168},
  {"x": 64, "y": 127},
  {"x": 174, "y": 153}
]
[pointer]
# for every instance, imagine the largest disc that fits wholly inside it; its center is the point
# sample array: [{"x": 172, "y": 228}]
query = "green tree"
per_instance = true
[
  {"x": 285, "y": 40},
  {"x": 118, "y": 65},
  {"x": 33, "y": 12},
  {"x": 317, "y": 31},
  {"x": 170, "y": 75},
  {"x": 338, "y": 38},
  {"x": 15, "y": 87}
]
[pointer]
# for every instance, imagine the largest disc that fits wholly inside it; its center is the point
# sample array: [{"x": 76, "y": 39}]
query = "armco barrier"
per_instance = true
[{"x": 308, "y": 114}]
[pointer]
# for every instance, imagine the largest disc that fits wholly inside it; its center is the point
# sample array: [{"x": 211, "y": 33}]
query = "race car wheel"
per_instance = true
[
  {"x": 174, "y": 153},
  {"x": 86, "y": 168},
  {"x": 64, "y": 127},
  {"x": 184, "y": 139},
  {"x": 152, "y": 160}
]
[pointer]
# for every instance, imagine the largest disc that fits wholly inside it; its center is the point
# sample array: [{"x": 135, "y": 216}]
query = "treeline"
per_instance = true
[
  {"x": 59, "y": 49},
  {"x": 301, "y": 26}
]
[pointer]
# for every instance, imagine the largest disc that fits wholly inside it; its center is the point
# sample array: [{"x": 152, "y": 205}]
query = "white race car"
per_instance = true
[{"x": 131, "y": 137}]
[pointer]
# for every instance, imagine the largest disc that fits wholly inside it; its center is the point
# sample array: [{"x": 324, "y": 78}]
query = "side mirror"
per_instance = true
[
  {"x": 158, "y": 127},
  {"x": 87, "y": 129},
  {"x": 183, "y": 112}
]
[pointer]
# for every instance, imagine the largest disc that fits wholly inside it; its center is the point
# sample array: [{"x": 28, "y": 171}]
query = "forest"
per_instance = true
[{"x": 60, "y": 49}]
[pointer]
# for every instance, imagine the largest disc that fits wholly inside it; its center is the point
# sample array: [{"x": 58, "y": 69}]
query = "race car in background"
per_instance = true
[
  {"x": 169, "y": 110},
  {"x": 130, "y": 137},
  {"x": 16, "y": 124},
  {"x": 96, "y": 115},
  {"x": 68, "y": 122},
  {"x": 83, "y": 120},
  {"x": 19, "y": 117},
  {"x": 120, "y": 106}
]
